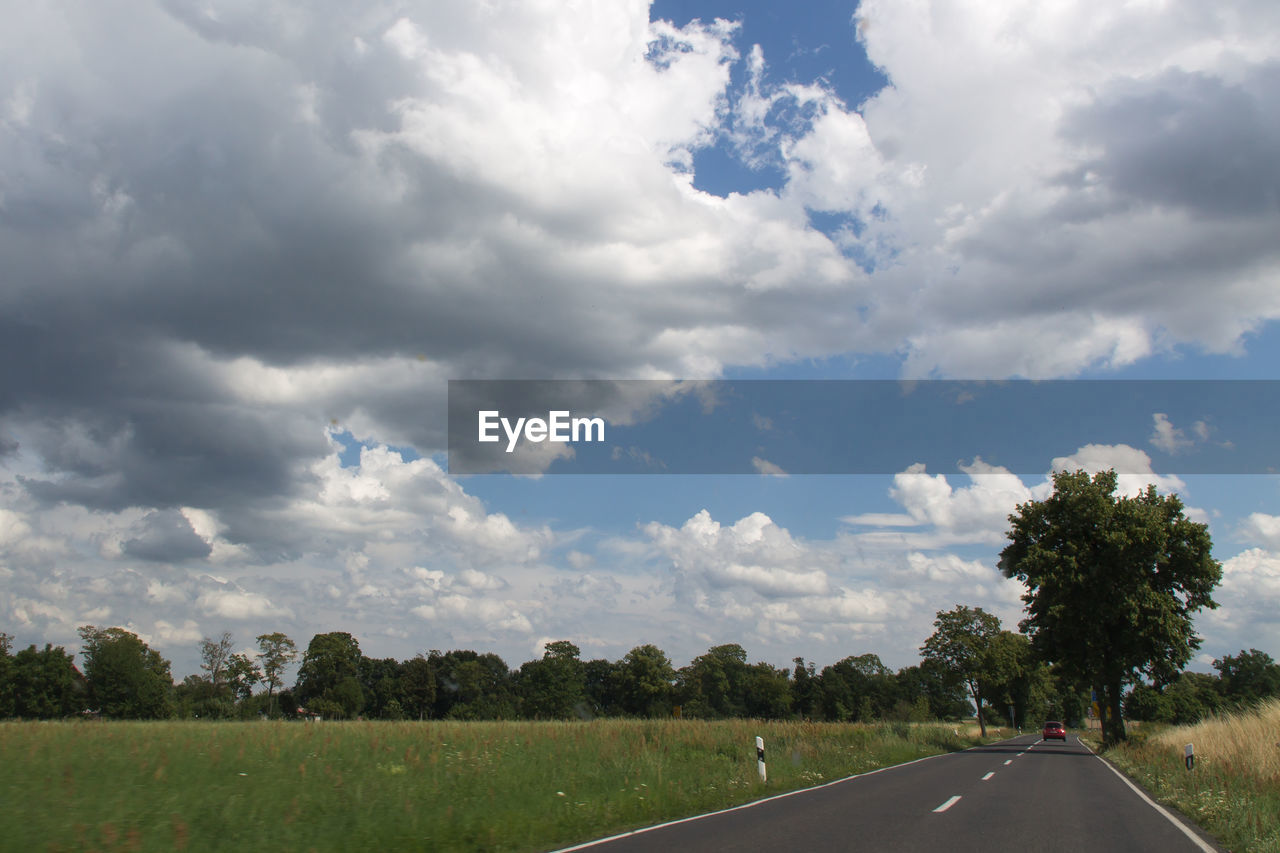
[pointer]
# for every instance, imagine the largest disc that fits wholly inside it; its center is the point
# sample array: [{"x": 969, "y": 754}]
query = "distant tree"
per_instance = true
[
  {"x": 1248, "y": 677},
  {"x": 331, "y": 671},
  {"x": 214, "y": 657},
  {"x": 380, "y": 681},
  {"x": 962, "y": 642},
  {"x": 602, "y": 685},
  {"x": 126, "y": 677},
  {"x": 418, "y": 688},
  {"x": 277, "y": 652},
  {"x": 553, "y": 688},
  {"x": 472, "y": 686},
  {"x": 643, "y": 682},
  {"x": 1019, "y": 680},
  {"x": 6, "y": 682},
  {"x": 1147, "y": 703},
  {"x": 1187, "y": 699},
  {"x": 858, "y": 688},
  {"x": 240, "y": 675},
  {"x": 805, "y": 693},
  {"x": 46, "y": 684},
  {"x": 1193, "y": 696},
  {"x": 714, "y": 684},
  {"x": 767, "y": 693},
  {"x": 1112, "y": 583},
  {"x": 942, "y": 689}
]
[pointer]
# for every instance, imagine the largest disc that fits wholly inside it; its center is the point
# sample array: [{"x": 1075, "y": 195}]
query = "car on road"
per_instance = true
[{"x": 1054, "y": 730}]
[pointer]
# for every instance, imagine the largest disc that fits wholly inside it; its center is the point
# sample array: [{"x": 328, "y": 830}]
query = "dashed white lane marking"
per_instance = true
[
  {"x": 988, "y": 776},
  {"x": 1010, "y": 761},
  {"x": 948, "y": 804}
]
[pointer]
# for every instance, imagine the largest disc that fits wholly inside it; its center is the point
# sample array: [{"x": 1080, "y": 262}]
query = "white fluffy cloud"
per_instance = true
[
  {"x": 228, "y": 228},
  {"x": 1249, "y": 601},
  {"x": 1262, "y": 528}
]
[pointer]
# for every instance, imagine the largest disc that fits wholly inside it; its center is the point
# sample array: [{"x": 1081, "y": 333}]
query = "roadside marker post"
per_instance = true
[
  {"x": 1191, "y": 756},
  {"x": 760, "y": 757}
]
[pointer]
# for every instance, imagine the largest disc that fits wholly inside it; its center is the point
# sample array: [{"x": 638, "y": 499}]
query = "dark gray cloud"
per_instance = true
[
  {"x": 1189, "y": 140},
  {"x": 166, "y": 537}
]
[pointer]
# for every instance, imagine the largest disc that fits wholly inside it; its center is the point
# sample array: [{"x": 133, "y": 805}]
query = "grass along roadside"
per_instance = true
[
  {"x": 434, "y": 785},
  {"x": 1234, "y": 790}
]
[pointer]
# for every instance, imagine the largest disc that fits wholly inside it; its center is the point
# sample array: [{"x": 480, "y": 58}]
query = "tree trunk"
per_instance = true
[
  {"x": 977, "y": 702},
  {"x": 1103, "y": 709},
  {"x": 1117, "y": 720}
]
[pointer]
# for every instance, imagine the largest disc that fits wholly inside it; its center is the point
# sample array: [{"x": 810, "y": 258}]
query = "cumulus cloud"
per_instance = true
[
  {"x": 1136, "y": 465},
  {"x": 238, "y": 605},
  {"x": 476, "y": 174},
  {"x": 231, "y": 234},
  {"x": 754, "y": 553},
  {"x": 977, "y": 512},
  {"x": 1247, "y": 598},
  {"x": 1262, "y": 528}
]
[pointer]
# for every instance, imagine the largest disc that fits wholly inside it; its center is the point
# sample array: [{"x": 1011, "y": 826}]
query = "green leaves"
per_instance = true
[
  {"x": 1111, "y": 581},
  {"x": 126, "y": 677},
  {"x": 963, "y": 643}
]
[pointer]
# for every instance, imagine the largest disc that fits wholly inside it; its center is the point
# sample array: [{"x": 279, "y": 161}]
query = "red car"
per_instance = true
[{"x": 1053, "y": 730}]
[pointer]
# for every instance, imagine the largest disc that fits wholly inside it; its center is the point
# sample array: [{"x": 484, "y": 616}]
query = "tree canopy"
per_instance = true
[
  {"x": 126, "y": 677},
  {"x": 330, "y": 674},
  {"x": 963, "y": 642},
  {"x": 1112, "y": 583}
]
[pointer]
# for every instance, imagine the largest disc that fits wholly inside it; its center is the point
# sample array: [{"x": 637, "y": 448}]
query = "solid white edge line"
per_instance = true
[
  {"x": 948, "y": 804},
  {"x": 1197, "y": 840},
  {"x": 584, "y": 845}
]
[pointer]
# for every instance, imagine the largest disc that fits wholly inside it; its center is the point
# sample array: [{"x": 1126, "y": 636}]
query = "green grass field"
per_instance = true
[{"x": 412, "y": 786}]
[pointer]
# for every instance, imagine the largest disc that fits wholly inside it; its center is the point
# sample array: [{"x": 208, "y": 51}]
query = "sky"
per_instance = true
[{"x": 247, "y": 247}]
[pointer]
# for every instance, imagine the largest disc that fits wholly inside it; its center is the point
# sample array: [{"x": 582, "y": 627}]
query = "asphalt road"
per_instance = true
[{"x": 1022, "y": 794}]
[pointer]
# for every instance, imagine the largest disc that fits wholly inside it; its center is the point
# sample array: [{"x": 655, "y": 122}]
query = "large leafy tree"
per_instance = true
[
  {"x": 126, "y": 677},
  {"x": 715, "y": 684},
  {"x": 46, "y": 684},
  {"x": 1112, "y": 583},
  {"x": 963, "y": 641},
  {"x": 330, "y": 672}
]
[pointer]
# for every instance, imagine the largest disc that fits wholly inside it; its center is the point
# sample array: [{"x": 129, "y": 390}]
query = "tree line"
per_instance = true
[
  {"x": 969, "y": 663},
  {"x": 1111, "y": 581}
]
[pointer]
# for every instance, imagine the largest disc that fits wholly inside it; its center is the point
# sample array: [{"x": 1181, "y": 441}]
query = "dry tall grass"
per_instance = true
[{"x": 1245, "y": 743}]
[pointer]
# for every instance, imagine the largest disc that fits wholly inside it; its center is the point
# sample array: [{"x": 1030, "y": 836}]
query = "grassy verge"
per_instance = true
[
  {"x": 1234, "y": 790},
  {"x": 392, "y": 786}
]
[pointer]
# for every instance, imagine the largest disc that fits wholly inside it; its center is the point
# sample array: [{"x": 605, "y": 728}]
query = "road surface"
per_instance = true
[{"x": 1023, "y": 794}]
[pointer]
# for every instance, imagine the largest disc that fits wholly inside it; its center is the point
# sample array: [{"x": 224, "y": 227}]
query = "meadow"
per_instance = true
[
  {"x": 1233, "y": 791},
  {"x": 438, "y": 786}
]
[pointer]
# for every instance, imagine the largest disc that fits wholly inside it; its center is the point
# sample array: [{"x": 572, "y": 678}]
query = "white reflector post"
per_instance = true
[
  {"x": 760, "y": 757},
  {"x": 1191, "y": 756}
]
